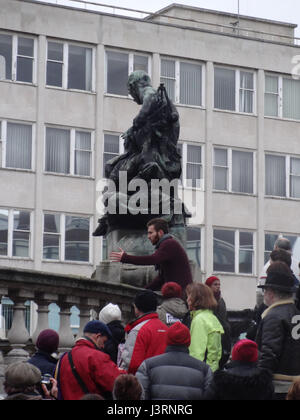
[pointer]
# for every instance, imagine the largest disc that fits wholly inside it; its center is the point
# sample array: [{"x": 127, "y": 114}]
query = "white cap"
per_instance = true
[{"x": 110, "y": 313}]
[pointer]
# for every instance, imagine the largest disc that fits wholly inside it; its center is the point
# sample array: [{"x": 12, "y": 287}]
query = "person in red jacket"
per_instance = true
[
  {"x": 147, "y": 335},
  {"x": 170, "y": 259},
  {"x": 94, "y": 372}
]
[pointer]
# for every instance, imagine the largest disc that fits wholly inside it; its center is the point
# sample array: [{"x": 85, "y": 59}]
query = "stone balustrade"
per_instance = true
[{"x": 43, "y": 289}]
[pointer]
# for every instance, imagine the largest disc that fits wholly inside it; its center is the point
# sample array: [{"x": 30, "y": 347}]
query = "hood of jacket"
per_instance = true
[
  {"x": 174, "y": 306},
  {"x": 145, "y": 317}
]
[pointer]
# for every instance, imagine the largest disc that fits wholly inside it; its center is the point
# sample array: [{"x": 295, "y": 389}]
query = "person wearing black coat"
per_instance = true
[
  {"x": 111, "y": 316},
  {"x": 46, "y": 344},
  {"x": 278, "y": 335},
  {"x": 241, "y": 379},
  {"x": 175, "y": 375}
]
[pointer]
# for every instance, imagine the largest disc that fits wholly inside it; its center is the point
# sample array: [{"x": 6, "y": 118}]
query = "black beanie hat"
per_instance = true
[{"x": 146, "y": 301}]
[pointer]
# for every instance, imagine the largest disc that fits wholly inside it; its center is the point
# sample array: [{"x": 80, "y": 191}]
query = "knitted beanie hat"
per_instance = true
[
  {"x": 245, "y": 351},
  {"x": 171, "y": 290},
  {"x": 48, "y": 341},
  {"x": 146, "y": 301},
  {"x": 211, "y": 280},
  {"x": 178, "y": 334},
  {"x": 97, "y": 327},
  {"x": 110, "y": 313}
]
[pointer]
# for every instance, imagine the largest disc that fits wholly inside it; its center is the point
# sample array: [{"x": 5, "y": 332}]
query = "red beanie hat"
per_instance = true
[
  {"x": 178, "y": 334},
  {"x": 171, "y": 289},
  {"x": 211, "y": 280},
  {"x": 245, "y": 351},
  {"x": 48, "y": 341}
]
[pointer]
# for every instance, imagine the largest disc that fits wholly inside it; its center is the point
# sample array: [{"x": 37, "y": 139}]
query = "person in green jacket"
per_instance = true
[{"x": 206, "y": 330}]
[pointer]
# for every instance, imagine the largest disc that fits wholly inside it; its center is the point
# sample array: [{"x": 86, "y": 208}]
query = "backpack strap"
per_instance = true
[{"x": 76, "y": 374}]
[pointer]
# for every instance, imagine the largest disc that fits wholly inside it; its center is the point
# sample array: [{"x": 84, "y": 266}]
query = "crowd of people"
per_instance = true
[{"x": 177, "y": 347}]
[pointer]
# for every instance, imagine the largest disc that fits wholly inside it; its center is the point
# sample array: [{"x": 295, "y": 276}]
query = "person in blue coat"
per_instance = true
[{"x": 46, "y": 344}]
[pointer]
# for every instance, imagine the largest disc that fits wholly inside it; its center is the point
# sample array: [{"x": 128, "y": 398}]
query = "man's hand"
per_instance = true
[
  {"x": 53, "y": 393},
  {"x": 117, "y": 256}
]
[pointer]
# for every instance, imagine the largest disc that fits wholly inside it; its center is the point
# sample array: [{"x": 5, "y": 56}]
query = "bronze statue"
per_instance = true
[{"x": 150, "y": 152}]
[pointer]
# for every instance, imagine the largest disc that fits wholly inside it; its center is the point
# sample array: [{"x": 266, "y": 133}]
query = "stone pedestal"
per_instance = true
[{"x": 134, "y": 243}]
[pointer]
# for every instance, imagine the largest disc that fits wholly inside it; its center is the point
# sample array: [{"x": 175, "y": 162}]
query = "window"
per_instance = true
[
  {"x": 194, "y": 244},
  {"x": 234, "y": 90},
  {"x": 15, "y": 233},
  {"x": 271, "y": 238},
  {"x": 183, "y": 81},
  {"x": 70, "y": 66},
  {"x": 283, "y": 176},
  {"x": 192, "y": 170},
  {"x": 17, "y": 58},
  {"x": 69, "y": 151},
  {"x": 282, "y": 97},
  {"x": 233, "y": 251},
  {"x": 119, "y": 66},
  {"x": 66, "y": 238},
  {"x": 16, "y": 145},
  {"x": 112, "y": 148},
  {"x": 233, "y": 171}
]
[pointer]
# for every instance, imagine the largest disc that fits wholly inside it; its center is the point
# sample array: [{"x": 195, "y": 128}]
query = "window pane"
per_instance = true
[
  {"x": 77, "y": 239},
  {"x": 271, "y": 84},
  {"x": 275, "y": 176},
  {"x": 190, "y": 84},
  {"x": 21, "y": 242},
  {"x": 117, "y": 73},
  {"x": 18, "y": 146},
  {"x": 54, "y": 74},
  {"x": 295, "y": 178},
  {"x": 193, "y": 175},
  {"x": 220, "y": 179},
  {"x": 168, "y": 77},
  {"x": 194, "y": 154},
  {"x": 57, "y": 150},
  {"x": 3, "y": 232},
  {"x": 246, "y": 101},
  {"x": 5, "y": 57},
  {"x": 220, "y": 157},
  {"x": 21, "y": 220},
  {"x": 24, "y": 69},
  {"x": 51, "y": 247},
  {"x": 224, "y": 253},
  {"x": 194, "y": 244},
  {"x": 246, "y": 80},
  {"x": 242, "y": 172},
  {"x": 225, "y": 89},
  {"x": 140, "y": 63},
  {"x": 80, "y": 68},
  {"x": 111, "y": 149},
  {"x": 52, "y": 223},
  {"x": 245, "y": 262},
  {"x": 271, "y": 105},
  {"x": 246, "y": 240},
  {"x": 291, "y": 99},
  {"x": 55, "y": 51},
  {"x": 83, "y": 153},
  {"x": 25, "y": 46}
]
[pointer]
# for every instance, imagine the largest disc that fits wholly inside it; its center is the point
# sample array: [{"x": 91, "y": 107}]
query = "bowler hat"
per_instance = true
[{"x": 279, "y": 281}]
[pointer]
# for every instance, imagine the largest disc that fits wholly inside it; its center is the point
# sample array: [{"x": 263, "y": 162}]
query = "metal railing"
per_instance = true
[{"x": 233, "y": 28}]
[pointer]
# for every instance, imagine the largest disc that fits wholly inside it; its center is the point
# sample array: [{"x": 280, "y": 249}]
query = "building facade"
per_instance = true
[{"x": 64, "y": 105}]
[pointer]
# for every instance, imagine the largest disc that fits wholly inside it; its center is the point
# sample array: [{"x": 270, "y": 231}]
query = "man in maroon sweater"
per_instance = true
[{"x": 170, "y": 259}]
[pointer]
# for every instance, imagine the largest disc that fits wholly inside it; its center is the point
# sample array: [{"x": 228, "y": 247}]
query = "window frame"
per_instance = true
[
  {"x": 184, "y": 164},
  {"x": 121, "y": 147},
  {"x": 229, "y": 168},
  {"x": 288, "y": 175},
  {"x": 3, "y": 143},
  {"x": 131, "y": 55},
  {"x": 72, "y": 131},
  {"x": 177, "y": 79},
  {"x": 237, "y": 251},
  {"x": 62, "y": 238},
  {"x": 65, "y": 65},
  {"x": 15, "y": 55},
  {"x": 10, "y": 234},
  {"x": 238, "y": 71},
  {"x": 280, "y": 78}
]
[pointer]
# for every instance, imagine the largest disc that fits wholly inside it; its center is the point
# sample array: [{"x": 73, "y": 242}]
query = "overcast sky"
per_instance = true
[{"x": 281, "y": 10}]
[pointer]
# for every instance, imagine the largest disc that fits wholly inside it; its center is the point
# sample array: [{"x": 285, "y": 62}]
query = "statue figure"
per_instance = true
[{"x": 150, "y": 150}]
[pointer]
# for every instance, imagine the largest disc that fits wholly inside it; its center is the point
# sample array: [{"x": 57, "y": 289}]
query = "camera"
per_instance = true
[{"x": 46, "y": 381}]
